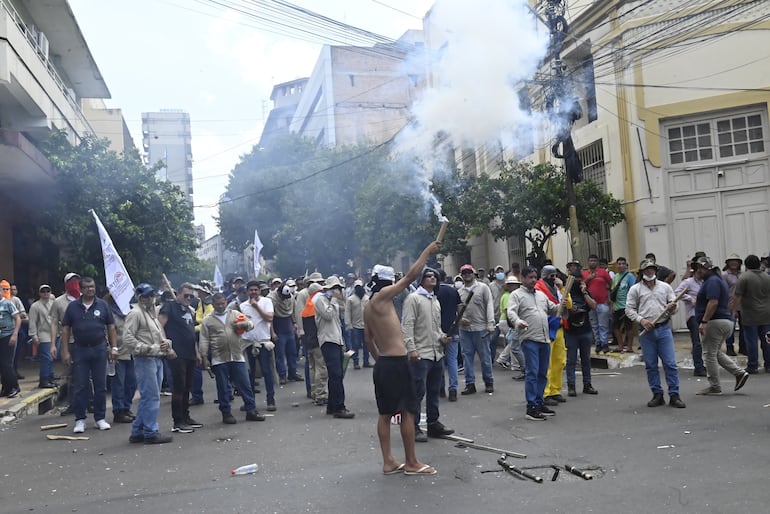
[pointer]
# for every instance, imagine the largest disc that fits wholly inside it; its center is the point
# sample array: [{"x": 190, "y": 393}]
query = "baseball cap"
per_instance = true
[
  {"x": 467, "y": 267},
  {"x": 276, "y": 280},
  {"x": 44, "y": 286},
  {"x": 648, "y": 263},
  {"x": 705, "y": 262},
  {"x": 69, "y": 276}
]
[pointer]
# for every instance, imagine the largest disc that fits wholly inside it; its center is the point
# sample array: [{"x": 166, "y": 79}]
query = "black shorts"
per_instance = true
[
  {"x": 620, "y": 321},
  {"x": 394, "y": 386}
]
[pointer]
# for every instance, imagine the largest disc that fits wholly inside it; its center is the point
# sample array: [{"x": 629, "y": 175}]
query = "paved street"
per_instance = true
[{"x": 710, "y": 457}]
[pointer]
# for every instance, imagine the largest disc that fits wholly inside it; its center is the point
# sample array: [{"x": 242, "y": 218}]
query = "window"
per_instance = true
[
  {"x": 592, "y": 157},
  {"x": 713, "y": 139},
  {"x": 740, "y": 135}
]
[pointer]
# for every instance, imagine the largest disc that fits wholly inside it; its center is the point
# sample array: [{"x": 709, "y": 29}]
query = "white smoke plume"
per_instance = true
[{"x": 486, "y": 50}]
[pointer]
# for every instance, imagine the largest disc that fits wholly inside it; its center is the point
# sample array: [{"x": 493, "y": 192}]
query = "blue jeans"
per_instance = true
[
  {"x": 697, "y": 348},
  {"x": 46, "y": 362},
  {"x": 493, "y": 338},
  {"x": 752, "y": 335},
  {"x": 357, "y": 343},
  {"x": 582, "y": 343},
  {"x": 123, "y": 386},
  {"x": 89, "y": 362},
  {"x": 332, "y": 353},
  {"x": 537, "y": 356},
  {"x": 149, "y": 377},
  {"x": 472, "y": 342},
  {"x": 286, "y": 355},
  {"x": 427, "y": 383},
  {"x": 266, "y": 366},
  {"x": 659, "y": 343},
  {"x": 196, "y": 392},
  {"x": 600, "y": 323},
  {"x": 236, "y": 373},
  {"x": 450, "y": 362}
]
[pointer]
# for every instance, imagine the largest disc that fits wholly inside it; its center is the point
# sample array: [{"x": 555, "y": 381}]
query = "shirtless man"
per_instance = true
[{"x": 393, "y": 383}]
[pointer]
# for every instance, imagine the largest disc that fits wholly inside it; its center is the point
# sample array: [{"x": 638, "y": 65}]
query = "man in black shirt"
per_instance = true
[{"x": 178, "y": 322}]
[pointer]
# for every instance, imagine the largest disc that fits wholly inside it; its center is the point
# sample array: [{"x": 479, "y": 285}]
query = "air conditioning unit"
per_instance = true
[{"x": 42, "y": 45}]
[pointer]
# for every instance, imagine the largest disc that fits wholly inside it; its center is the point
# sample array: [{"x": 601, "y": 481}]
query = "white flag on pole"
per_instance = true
[
  {"x": 218, "y": 280},
  {"x": 118, "y": 282},
  {"x": 257, "y": 252}
]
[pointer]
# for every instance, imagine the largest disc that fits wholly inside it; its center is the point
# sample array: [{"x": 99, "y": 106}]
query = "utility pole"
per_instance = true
[{"x": 564, "y": 110}]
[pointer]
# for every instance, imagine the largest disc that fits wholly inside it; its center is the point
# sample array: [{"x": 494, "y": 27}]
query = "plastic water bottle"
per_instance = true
[
  {"x": 245, "y": 470},
  {"x": 110, "y": 368}
]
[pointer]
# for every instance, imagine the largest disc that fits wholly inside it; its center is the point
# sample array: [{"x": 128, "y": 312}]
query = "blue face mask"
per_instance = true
[{"x": 500, "y": 276}]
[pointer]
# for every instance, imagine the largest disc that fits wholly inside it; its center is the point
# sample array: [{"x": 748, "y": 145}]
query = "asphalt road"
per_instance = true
[{"x": 710, "y": 457}]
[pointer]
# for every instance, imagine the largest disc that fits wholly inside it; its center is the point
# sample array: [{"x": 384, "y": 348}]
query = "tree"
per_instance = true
[
  {"x": 149, "y": 221},
  {"x": 530, "y": 201}
]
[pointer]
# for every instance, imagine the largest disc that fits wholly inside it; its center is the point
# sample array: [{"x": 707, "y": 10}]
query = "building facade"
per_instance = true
[{"x": 167, "y": 142}]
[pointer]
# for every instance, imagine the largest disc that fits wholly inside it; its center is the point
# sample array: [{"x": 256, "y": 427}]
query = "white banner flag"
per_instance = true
[
  {"x": 257, "y": 252},
  {"x": 219, "y": 281},
  {"x": 118, "y": 282}
]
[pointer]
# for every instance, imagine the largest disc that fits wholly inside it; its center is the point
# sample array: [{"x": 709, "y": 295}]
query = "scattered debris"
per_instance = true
[
  {"x": 54, "y": 437},
  {"x": 51, "y": 427}
]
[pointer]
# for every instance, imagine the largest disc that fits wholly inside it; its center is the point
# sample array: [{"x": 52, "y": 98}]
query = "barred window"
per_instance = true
[{"x": 592, "y": 157}]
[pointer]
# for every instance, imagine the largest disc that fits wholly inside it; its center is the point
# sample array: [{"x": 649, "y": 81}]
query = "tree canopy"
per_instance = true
[{"x": 149, "y": 221}]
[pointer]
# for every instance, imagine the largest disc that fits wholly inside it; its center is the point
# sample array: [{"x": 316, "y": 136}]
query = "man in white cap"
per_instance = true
[
  {"x": 327, "y": 318},
  {"x": 393, "y": 382}
]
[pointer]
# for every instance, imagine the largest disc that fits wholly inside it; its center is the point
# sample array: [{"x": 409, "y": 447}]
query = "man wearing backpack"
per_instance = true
[{"x": 622, "y": 327}]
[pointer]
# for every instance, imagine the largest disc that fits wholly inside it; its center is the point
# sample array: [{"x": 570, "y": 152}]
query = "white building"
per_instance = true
[{"x": 166, "y": 140}]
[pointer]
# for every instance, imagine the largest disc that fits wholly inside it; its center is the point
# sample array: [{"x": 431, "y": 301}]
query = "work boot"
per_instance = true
[
  {"x": 228, "y": 418},
  {"x": 469, "y": 389},
  {"x": 657, "y": 400},
  {"x": 438, "y": 429},
  {"x": 489, "y": 388},
  {"x": 255, "y": 416},
  {"x": 453, "y": 395},
  {"x": 699, "y": 372},
  {"x": 559, "y": 398},
  {"x": 420, "y": 436},
  {"x": 589, "y": 389},
  {"x": 571, "y": 391},
  {"x": 675, "y": 401},
  {"x": 550, "y": 401}
]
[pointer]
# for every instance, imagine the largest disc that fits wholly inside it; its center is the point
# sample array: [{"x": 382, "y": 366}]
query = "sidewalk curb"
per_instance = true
[{"x": 42, "y": 399}]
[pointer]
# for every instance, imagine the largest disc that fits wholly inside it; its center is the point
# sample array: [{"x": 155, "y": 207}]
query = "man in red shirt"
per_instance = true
[{"x": 599, "y": 282}]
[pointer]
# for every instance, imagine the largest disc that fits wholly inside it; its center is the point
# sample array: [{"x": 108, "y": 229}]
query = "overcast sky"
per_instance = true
[{"x": 216, "y": 64}]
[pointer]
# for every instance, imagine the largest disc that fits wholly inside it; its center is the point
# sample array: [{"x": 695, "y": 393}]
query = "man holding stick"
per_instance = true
[
  {"x": 651, "y": 302},
  {"x": 393, "y": 382}
]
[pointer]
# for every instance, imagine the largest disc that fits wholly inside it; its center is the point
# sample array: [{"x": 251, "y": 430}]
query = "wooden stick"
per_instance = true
[
  {"x": 665, "y": 312},
  {"x": 168, "y": 283},
  {"x": 54, "y": 437},
  {"x": 51, "y": 427},
  {"x": 442, "y": 230},
  {"x": 567, "y": 289}
]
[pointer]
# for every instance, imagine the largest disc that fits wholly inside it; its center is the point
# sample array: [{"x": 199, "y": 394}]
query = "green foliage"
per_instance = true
[
  {"x": 150, "y": 222},
  {"x": 531, "y": 201},
  {"x": 327, "y": 209}
]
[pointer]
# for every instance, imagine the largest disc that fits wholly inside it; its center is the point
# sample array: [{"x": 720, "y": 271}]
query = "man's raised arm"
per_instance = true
[{"x": 389, "y": 292}]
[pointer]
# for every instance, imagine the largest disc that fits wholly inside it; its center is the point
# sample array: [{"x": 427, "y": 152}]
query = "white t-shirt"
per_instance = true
[{"x": 261, "y": 330}]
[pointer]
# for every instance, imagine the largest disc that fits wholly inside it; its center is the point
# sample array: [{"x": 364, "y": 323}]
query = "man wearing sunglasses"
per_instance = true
[{"x": 178, "y": 322}]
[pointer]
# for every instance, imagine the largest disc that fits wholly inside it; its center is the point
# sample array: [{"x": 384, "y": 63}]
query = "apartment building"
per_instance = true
[
  {"x": 46, "y": 69},
  {"x": 167, "y": 142}
]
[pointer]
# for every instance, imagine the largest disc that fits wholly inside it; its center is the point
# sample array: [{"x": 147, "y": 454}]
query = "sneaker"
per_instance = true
[
  {"x": 158, "y": 439},
  {"x": 80, "y": 426},
  {"x": 192, "y": 423},
  {"x": 196, "y": 401},
  {"x": 740, "y": 380},
  {"x": 271, "y": 407},
  {"x": 103, "y": 425},
  {"x": 710, "y": 391},
  {"x": 165, "y": 392},
  {"x": 535, "y": 415},
  {"x": 254, "y": 416},
  {"x": 545, "y": 410},
  {"x": 13, "y": 393},
  {"x": 559, "y": 398},
  {"x": 460, "y": 369},
  {"x": 356, "y": 365},
  {"x": 282, "y": 381},
  {"x": 550, "y": 401},
  {"x": 438, "y": 429},
  {"x": 139, "y": 438},
  {"x": 453, "y": 395},
  {"x": 700, "y": 372},
  {"x": 228, "y": 418},
  {"x": 46, "y": 385},
  {"x": 344, "y": 414},
  {"x": 296, "y": 378},
  {"x": 489, "y": 388},
  {"x": 589, "y": 389},
  {"x": 183, "y": 429},
  {"x": 503, "y": 365},
  {"x": 420, "y": 436},
  {"x": 519, "y": 378},
  {"x": 122, "y": 417}
]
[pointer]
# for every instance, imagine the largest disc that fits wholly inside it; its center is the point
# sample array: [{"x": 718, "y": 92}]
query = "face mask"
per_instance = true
[
  {"x": 500, "y": 276},
  {"x": 648, "y": 278},
  {"x": 458, "y": 284}
]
